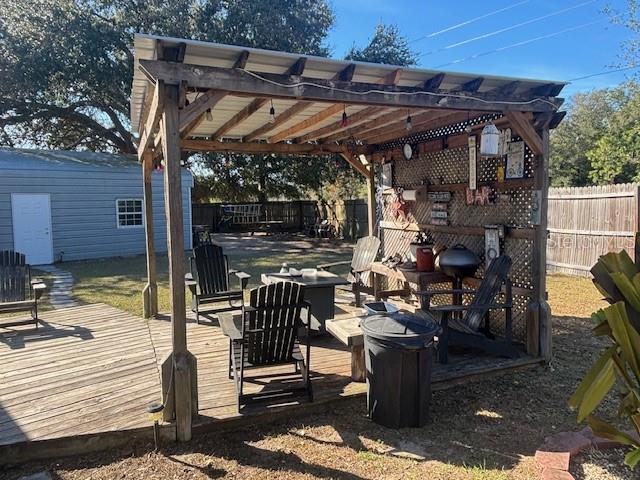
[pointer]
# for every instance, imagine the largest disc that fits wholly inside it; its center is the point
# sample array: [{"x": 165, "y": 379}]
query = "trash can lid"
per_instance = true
[{"x": 404, "y": 329}]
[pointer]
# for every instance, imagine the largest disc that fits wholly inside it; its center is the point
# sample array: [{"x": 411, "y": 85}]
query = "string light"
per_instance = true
[
  {"x": 345, "y": 120},
  {"x": 408, "y": 125},
  {"x": 272, "y": 113},
  {"x": 208, "y": 115}
]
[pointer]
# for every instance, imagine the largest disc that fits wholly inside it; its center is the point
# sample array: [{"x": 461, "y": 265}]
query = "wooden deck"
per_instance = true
[{"x": 93, "y": 369}]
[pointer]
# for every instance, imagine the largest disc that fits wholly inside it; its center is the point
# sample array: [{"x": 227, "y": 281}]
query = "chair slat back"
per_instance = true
[
  {"x": 491, "y": 285},
  {"x": 364, "y": 254},
  {"x": 277, "y": 327},
  {"x": 211, "y": 268},
  {"x": 15, "y": 276}
]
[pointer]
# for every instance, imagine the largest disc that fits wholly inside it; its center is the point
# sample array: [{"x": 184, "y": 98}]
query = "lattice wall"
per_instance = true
[{"x": 512, "y": 208}]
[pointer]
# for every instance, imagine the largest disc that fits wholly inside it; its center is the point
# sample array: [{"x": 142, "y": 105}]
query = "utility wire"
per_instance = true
[
  {"x": 518, "y": 44},
  {"x": 607, "y": 72},
  {"x": 470, "y": 21},
  {"x": 507, "y": 29}
]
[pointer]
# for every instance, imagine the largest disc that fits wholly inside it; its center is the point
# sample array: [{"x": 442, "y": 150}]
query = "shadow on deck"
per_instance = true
[{"x": 81, "y": 382}]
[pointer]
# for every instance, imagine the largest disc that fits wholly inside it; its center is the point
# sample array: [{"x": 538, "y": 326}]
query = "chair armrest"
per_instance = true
[
  {"x": 328, "y": 266},
  {"x": 38, "y": 289},
  {"x": 452, "y": 291},
  {"x": 229, "y": 326},
  {"x": 190, "y": 282},
  {"x": 242, "y": 277}
]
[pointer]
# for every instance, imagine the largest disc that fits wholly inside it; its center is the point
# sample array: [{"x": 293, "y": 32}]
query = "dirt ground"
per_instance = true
[{"x": 487, "y": 429}]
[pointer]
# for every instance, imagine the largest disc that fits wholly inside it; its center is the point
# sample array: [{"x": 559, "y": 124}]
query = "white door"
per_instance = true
[{"x": 31, "y": 215}]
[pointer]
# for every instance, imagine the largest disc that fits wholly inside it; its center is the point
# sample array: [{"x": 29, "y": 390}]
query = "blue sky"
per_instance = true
[{"x": 590, "y": 49}]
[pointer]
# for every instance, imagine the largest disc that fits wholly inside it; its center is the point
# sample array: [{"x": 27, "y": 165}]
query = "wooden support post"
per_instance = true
[
  {"x": 180, "y": 364},
  {"x": 539, "y": 328},
  {"x": 150, "y": 291},
  {"x": 636, "y": 249},
  {"x": 371, "y": 198}
]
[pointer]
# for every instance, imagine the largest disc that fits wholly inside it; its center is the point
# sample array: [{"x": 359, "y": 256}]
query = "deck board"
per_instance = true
[{"x": 94, "y": 368}]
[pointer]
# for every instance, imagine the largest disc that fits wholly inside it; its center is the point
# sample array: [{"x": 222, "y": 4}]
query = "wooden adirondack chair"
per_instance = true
[
  {"x": 209, "y": 280},
  {"x": 364, "y": 254},
  {"x": 266, "y": 334},
  {"x": 461, "y": 324},
  {"x": 18, "y": 293}
]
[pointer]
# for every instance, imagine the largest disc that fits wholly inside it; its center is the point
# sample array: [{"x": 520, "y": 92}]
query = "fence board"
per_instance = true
[{"x": 586, "y": 222}]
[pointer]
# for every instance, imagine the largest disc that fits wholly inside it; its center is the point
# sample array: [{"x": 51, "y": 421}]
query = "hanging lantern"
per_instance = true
[
  {"x": 489, "y": 140},
  {"x": 408, "y": 126},
  {"x": 344, "y": 122},
  {"x": 272, "y": 114},
  {"x": 208, "y": 115}
]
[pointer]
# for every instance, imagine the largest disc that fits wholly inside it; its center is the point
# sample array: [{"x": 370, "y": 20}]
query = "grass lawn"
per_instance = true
[{"x": 483, "y": 430}]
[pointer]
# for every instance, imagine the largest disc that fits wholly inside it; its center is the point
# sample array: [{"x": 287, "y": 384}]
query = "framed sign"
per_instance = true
[
  {"x": 515, "y": 160},
  {"x": 472, "y": 163},
  {"x": 387, "y": 175}
]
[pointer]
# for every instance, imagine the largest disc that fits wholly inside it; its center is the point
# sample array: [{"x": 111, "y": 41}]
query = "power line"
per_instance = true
[
  {"x": 507, "y": 29},
  {"x": 518, "y": 44},
  {"x": 606, "y": 72},
  {"x": 472, "y": 20}
]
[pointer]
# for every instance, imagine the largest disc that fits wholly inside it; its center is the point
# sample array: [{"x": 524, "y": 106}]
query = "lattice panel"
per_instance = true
[{"x": 512, "y": 208}]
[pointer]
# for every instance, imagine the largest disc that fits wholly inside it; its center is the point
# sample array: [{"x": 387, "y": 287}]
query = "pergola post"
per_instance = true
[
  {"x": 371, "y": 198},
  {"x": 150, "y": 291},
  {"x": 179, "y": 368}
]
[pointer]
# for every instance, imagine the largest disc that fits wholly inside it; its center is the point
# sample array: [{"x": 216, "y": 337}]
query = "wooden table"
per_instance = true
[
  {"x": 319, "y": 291},
  {"x": 348, "y": 331},
  {"x": 421, "y": 279}
]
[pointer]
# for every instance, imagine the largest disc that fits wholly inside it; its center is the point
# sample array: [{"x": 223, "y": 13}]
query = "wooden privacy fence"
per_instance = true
[{"x": 586, "y": 222}]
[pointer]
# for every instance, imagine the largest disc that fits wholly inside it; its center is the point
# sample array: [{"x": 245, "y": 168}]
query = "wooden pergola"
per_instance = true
[{"x": 191, "y": 96}]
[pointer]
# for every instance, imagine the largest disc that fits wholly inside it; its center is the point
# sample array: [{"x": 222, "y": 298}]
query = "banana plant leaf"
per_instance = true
[
  {"x": 595, "y": 385},
  {"x": 625, "y": 336},
  {"x": 632, "y": 458},
  {"x": 629, "y": 291},
  {"x": 605, "y": 430},
  {"x": 619, "y": 262}
]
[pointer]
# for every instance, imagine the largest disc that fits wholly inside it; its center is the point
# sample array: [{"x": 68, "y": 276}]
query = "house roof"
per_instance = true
[{"x": 243, "y": 116}]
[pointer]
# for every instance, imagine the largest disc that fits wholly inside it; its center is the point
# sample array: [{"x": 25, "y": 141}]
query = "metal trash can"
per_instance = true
[{"x": 399, "y": 357}]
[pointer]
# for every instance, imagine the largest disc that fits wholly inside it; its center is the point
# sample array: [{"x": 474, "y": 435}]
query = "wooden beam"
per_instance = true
[
  {"x": 507, "y": 89},
  {"x": 392, "y": 78},
  {"x": 433, "y": 84},
  {"x": 150, "y": 291},
  {"x": 280, "y": 119},
  {"x": 346, "y": 74},
  {"x": 298, "y": 67},
  {"x": 547, "y": 90},
  {"x": 420, "y": 123},
  {"x": 354, "y": 119},
  {"x": 371, "y": 199},
  {"x": 355, "y": 163},
  {"x": 198, "y": 107},
  {"x": 153, "y": 119},
  {"x": 556, "y": 119},
  {"x": 312, "y": 89},
  {"x": 240, "y": 117},
  {"x": 471, "y": 86},
  {"x": 242, "y": 59},
  {"x": 197, "y": 145},
  {"x": 175, "y": 247},
  {"x": 171, "y": 53},
  {"x": 308, "y": 122},
  {"x": 384, "y": 119},
  {"x": 523, "y": 127}
]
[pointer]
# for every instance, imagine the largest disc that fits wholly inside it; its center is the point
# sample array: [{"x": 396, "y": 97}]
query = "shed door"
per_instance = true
[{"x": 31, "y": 214}]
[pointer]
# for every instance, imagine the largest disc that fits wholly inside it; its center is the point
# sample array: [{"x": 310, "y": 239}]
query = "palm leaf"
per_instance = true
[
  {"x": 606, "y": 430},
  {"x": 627, "y": 288},
  {"x": 595, "y": 385},
  {"x": 625, "y": 335}
]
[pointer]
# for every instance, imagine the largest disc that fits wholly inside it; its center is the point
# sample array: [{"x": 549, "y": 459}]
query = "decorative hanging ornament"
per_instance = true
[
  {"x": 489, "y": 141},
  {"x": 345, "y": 120},
  {"x": 208, "y": 115},
  {"x": 408, "y": 124},
  {"x": 272, "y": 113}
]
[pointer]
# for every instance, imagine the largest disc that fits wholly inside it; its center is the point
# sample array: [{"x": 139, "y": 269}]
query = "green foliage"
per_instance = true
[
  {"x": 386, "y": 46},
  {"x": 598, "y": 141},
  {"x": 67, "y": 64},
  {"x": 618, "y": 279},
  {"x": 630, "y": 19}
]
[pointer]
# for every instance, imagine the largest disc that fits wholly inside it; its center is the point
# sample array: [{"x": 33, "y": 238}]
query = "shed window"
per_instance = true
[{"x": 129, "y": 212}]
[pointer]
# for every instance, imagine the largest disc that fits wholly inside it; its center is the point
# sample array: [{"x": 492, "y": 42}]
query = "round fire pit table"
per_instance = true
[{"x": 399, "y": 358}]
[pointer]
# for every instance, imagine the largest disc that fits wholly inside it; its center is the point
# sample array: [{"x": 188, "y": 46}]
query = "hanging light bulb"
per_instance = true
[
  {"x": 345, "y": 120},
  {"x": 408, "y": 125},
  {"x": 208, "y": 115},
  {"x": 272, "y": 113}
]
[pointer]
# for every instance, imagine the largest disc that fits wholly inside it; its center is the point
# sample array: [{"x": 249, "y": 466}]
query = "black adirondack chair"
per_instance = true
[
  {"x": 18, "y": 293},
  {"x": 364, "y": 254},
  {"x": 266, "y": 334},
  {"x": 462, "y": 324},
  {"x": 209, "y": 281}
]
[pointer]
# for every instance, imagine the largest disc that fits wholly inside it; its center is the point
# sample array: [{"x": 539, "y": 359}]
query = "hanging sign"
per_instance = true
[
  {"x": 472, "y": 163},
  {"x": 515, "y": 160},
  {"x": 387, "y": 174}
]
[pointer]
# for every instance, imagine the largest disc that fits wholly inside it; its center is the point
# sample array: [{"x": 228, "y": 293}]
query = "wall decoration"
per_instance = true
[
  {"x": 536, "y": 203},
  {"x": 379, "y": 204},
  {"x": 439, "y": 214},
  {"x": 407, "y": 151},
  {"x": 515, "y": 160},
  {"x": 439, "y": 197},
  {"x": 387, "y": 174},
  {"x": 492, "y": 236},
  {"x": 489, "y": 140},
  {"x": 481, "y": 196},
  {"x": 472, "y": 163},
  {"x": 399, "y": 208}
]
